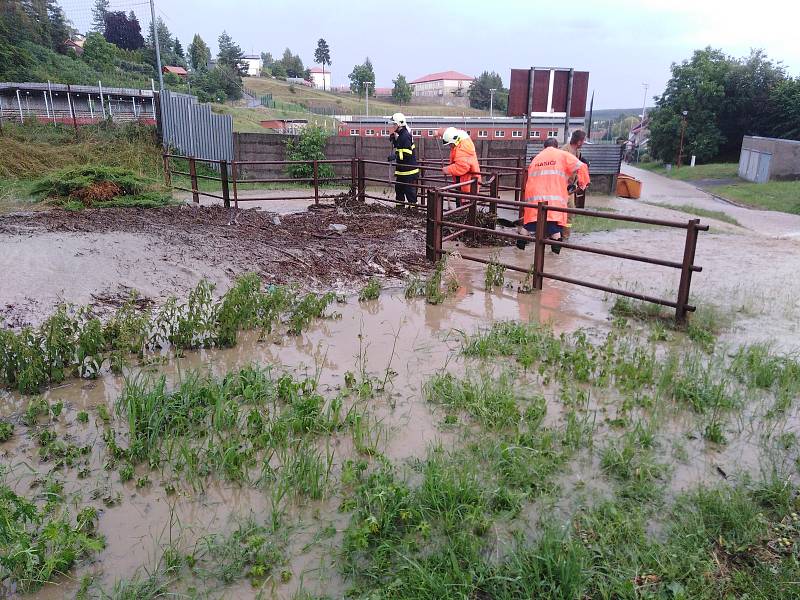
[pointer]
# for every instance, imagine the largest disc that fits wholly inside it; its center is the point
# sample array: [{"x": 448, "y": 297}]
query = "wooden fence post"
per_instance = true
[
  {"x": 686, "y": 271},
  {"x": 223, "y": 173},
  {"x": 539, "y": 245},
  {"x": 235, "y": 178},
  {"x": 193, "y": 179},
  {"x": 362, "y": 184},
  {"x": 316, "y": 182},
  {"x": 353, "y": 176},
  {"x": 430, "y": 227},
  {"x": 494, "y": 192},
  {"x": 167, "y": 173},
  {"x": 472, "y": 213}
]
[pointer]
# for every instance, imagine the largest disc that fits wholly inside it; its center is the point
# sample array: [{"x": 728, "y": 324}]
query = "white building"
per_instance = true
[
  {"x": 254, "y": 64},
  {"x": 321, "y": 80},
  {"x": 447, "y": 87}
]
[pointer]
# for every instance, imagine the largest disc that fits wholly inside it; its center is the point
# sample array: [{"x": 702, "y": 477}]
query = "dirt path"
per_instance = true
[{"x": 662, "y": 190}]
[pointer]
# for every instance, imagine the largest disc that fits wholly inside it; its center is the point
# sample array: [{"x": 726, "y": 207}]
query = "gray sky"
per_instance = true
[{"x": 622, "y": 44}]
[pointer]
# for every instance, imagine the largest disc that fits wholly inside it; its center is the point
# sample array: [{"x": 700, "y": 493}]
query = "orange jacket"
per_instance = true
[
  {"x": 548, "y": 175},
  {"x": 463, "y": 163}
]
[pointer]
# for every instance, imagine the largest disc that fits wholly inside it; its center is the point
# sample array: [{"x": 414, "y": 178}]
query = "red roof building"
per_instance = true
[
  {"x": 447, "y": 87},
  {"x": 175, "y": 70}
]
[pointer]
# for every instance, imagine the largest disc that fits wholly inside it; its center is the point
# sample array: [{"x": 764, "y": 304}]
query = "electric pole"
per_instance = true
[{"x": 158, "y": 49}]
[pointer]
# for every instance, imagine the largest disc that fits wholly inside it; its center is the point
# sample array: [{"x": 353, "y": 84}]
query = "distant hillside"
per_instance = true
[{"x": 617, "y": 114}]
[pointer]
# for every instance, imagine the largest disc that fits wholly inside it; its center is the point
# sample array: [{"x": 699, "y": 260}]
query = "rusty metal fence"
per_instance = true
[
  {"x": 434, "y": 193},
  {"x": 440, "y": 219}
]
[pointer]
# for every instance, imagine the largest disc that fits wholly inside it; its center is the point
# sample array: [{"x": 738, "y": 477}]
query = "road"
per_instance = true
[{"x": 658, "y": 189}]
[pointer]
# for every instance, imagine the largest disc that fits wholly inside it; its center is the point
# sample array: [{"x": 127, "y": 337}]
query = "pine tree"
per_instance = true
[
  {"x": 230, "y": 54},
  {"x": 199, "y": 53},
  {"x": 99, "y": 15},
  {"x": 322, "y": 55}
]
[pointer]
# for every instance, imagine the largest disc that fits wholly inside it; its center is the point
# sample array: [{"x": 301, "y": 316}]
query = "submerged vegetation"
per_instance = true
[
  {"x": 564, "y": 474},
  {"x": 73, "y": 341}
]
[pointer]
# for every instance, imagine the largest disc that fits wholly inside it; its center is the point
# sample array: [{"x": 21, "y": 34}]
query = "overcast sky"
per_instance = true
[{"x": 622, "y": 44}]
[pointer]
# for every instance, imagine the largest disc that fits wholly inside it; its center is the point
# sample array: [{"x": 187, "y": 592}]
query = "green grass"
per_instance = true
[
  {"x": 700, "y": 212},
  {"x": 248, "y": 120},
  {"x": 783, "y": 196},
  {"x": 348, "y": 104},
  {"x": 371, "y": 291},
  {"x": 686, "y": 173},
  {"x": 584, "y": 224}
]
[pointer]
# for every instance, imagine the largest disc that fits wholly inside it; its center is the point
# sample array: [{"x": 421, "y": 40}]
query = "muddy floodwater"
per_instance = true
[
  {"x": 402, "y": 343},
  {"x": 749, "y": 285}
]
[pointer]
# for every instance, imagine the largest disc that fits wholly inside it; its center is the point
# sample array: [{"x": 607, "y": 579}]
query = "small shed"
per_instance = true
[{"x": 763, "y": 159}]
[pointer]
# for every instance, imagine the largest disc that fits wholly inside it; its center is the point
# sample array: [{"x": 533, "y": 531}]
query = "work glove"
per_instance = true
[
  {"x": 393, "y": 137},
  {"x": 571, "y": 188},
  {"x": 390, "y": 158}
]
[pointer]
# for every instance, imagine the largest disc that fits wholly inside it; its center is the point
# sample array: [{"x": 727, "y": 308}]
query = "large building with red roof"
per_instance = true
[{"x": 448, "y": 88}]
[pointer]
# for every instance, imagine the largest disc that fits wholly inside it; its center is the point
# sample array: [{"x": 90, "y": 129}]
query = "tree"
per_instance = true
[
  {"x": 166, "y": 45},
  {"x": 199, "y": 53},
  {"x": 479, "y": 91},
  {"x": 178, "y": 49},
  {"x": 322, "y": 55},
  {"x": 267, "y": 59},
  {"x": 230, "y": 55},
  {"x": 401, "y": 91},
  {"x": 293, "y": 64},
  {"x": 60, "y": 28},
  {"x": 99, "y": 15},
  {"x": 278, "y": 70},
  {"x": 696, "y": 86},
  {"x": 361, "y": 74},
  {"x": 123, "y": 31},
  {"x": 782, "y": 118},
  {"x": 98, "y": 52}
]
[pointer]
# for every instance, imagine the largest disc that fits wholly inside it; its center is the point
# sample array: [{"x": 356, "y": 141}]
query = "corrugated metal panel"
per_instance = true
[
  {"x": 603, "y": 159},
  {"x": 193, "y": 129}
]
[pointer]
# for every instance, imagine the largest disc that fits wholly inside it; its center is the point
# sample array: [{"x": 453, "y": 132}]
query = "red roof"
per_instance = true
[
  {"x": 319, "y": 70},
  {"x": 444, "y": 75},
  {"x": 180, "y": 71}
]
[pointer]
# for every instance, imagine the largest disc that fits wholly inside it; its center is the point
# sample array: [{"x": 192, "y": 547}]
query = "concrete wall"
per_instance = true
[{"x": 785, "y": 160}]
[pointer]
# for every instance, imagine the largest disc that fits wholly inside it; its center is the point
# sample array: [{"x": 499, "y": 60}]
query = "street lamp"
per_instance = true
[
  {"x": 366, "y": 93},
  {"x": 641, "y": 123},
  {"x": 683, "y": 131},
  {"x": 491, "y": 102}
]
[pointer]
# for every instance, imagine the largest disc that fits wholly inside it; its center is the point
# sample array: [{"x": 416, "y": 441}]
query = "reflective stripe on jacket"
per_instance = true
[
  {"x": 463, "y": 163},
  {"x": 405, "y": 151},
  {"x": 548, "y": 176}
]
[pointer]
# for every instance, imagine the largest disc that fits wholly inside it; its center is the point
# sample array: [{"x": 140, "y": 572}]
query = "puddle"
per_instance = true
[{"x": 401, "y": 343}]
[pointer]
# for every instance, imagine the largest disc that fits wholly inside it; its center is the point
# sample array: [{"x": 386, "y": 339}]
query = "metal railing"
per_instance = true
[
  {"x": 439, "y": 219},
  {"x": 434, "y": 191}
]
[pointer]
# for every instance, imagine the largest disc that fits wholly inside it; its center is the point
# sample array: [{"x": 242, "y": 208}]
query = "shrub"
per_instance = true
[{"x": 309, "y": 145}]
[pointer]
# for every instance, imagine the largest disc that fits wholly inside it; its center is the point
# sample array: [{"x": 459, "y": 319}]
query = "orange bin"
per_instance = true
[{"x": 628, "y": 187}]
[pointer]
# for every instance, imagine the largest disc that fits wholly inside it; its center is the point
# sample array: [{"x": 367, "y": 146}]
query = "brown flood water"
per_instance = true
[{"x": 413, "y": 339}]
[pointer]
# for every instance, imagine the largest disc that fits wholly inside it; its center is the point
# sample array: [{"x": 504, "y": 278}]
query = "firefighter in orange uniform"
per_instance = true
[
  {"x": 548, "y": 175},
  {"x": 463, "y": 158}
]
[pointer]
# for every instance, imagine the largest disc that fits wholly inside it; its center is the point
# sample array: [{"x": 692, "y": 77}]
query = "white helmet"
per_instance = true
[
  {"x": 399, "y": 119},
  {"x": 450, "y": 135}
]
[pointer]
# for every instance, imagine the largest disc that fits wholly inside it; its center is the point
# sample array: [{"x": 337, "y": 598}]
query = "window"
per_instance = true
[
  {"x": 384, "y": 132},
  {"x": 431, "y": 132},
  {"x": 516, "y": 133},
  {"x": 499, "y": 133},
  {"x": 535, "y": 134},
  {"x": 483, "y": 133},
  {"x": 369, "y": 132},
  {"x": 354, "y": 132},
  {"x": 416, "y": 132},
  {"x": 552, "y": 134},
  {"x": 469, "y": 132}
]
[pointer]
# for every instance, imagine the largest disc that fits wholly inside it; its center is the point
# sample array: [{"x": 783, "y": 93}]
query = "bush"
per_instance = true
[{"x": 309, "y": 145}]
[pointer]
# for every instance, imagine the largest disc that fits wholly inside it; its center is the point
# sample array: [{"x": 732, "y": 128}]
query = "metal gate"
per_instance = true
[
  {"x": 193, "y": 129},
  {"x": 754, "y": 165}
]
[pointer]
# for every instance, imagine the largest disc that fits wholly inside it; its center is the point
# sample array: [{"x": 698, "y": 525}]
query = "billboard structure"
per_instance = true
[{"x": 548, "y": 92}]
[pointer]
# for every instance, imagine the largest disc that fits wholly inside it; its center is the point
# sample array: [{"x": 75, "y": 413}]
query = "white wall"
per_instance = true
[
  {"x": 253, "y": 66},
  {"x": 317, "y": 80}
]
